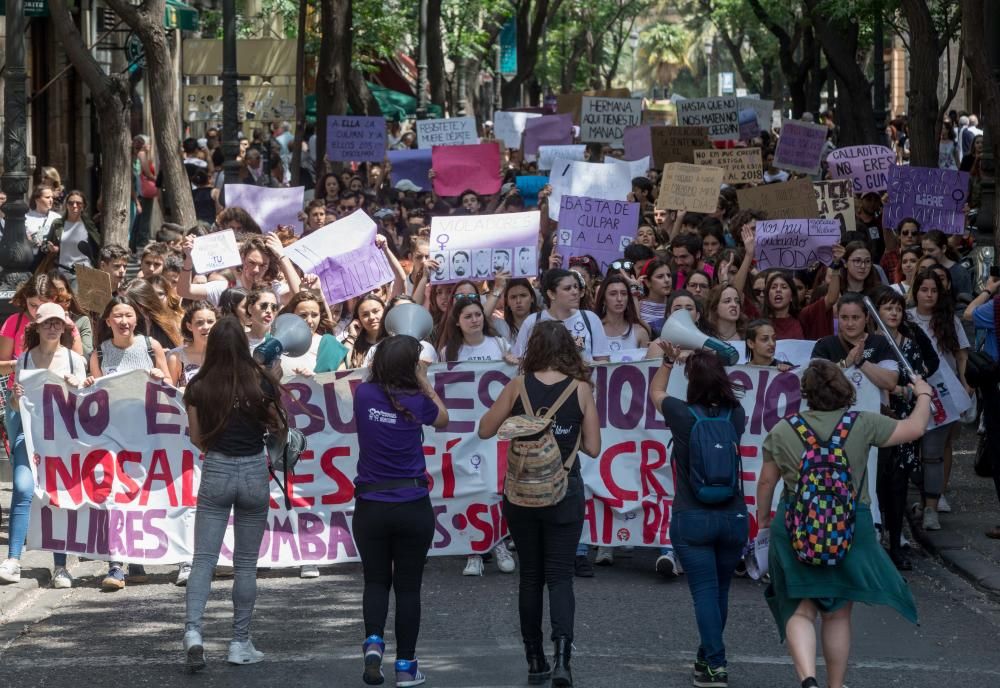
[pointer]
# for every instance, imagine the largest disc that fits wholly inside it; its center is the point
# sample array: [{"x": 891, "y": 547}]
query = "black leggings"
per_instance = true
[
  {"x": 892, "y": 485},
  {"x": 393, "y": 539}
]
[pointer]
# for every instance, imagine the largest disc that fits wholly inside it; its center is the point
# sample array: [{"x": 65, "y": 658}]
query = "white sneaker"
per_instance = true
[
  {"x": 505, "y": 561},
  {"x": 244, "y": 653},
  {"x": 473, "y": 566},
  {"x": 183, "y": 573},
  {"x": 309, "y": 571},
  {"x": 943, "y": 506},
  {"x": 605, "y": 556},
  {"x": 194, "y": 651},
  {"x": 668, "y": 565},
  {"x": 931, "y": 521},
  {"x": 62, "y": 578},
  {"x": 10, "y": 571}
]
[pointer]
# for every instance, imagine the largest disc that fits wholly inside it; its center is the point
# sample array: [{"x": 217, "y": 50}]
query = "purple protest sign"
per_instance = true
[
  {"x": 795, "y": 244},
  {"x": 936, "y": 198},
  {"x": 553, "y": 130},
  {"x": 800, "y": 146},
  {"x": 595, "y": 227},
  {"x": 268, "y": 207},
  {"x": 477, "y": 246},
  {"x": 866, "y": 166},
  {"x": 411, "y": 165},
  {"x": 351, "y": 138},
  {"x": 638, "y": 143}
]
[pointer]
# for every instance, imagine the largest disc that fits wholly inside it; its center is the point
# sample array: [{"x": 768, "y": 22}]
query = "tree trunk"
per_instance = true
[
  {"x": 435, "y": 55},
  {"x": 334, "y": 69},
  {"x": 922, "y": 108},
  {"x": 530, "y": 27},
  {"x": 112, "y": 98}
]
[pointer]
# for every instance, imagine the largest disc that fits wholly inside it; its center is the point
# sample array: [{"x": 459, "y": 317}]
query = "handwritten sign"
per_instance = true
[
  {"x": 787, "y": 200},
  {"x": 677, "y": 144},
  {"x": 593, "y": 180},
  {"x": 552, "y": 130},
  {"x": 762, "y": 110},
  {"x": 720, "y": 115},
  {"x": 800, "y": 146},
  {"x": 795, "y": 244},
  {"x": 509, "y": 127},
  {"x": 834, "y": 201},
  {"x": 604, "y": 120},
  {"x": 461, "y": 168},
  {"x": 572, "y": 103},
  {"x": 93, "y": 288},
  {"x": 351, "y": 138},
  {"x": 936, "y": 198},
  {"x": 595, "y": 227},
  {"x": 548, "y": 156},
  {"x": 455, "y": 131},
  {"x": 866, "y": 166},
  {"x": 742, "y": 165},
  {"x": 692, "y": 187},
  {"x": 476, "y": 247},
  {"x": 215, "y": 251},
  {"x": 412, "y": 165},
  {"x": 269, "y": 207},
  {"x": 749, "y": 128}
]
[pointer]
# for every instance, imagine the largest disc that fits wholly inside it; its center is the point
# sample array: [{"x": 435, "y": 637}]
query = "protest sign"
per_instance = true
[
  {"x": 692, "y": 187},
  {"x": 787, "y": 200},
  {"x": 604, "y": 120},
  {"x": 215, "y": 251},
  {"x": 460, "y": 168},
  {"x": 800, "y": 146},
  {"x": 677, "y": 144},
  {"x": 835, "y": 201},
  {"x": 93, "y": 288},
  {"x": 270, "y": 207},
  {"x": 411, "y": 165},
  {"x": 352, "y": 138},
  {"x": 636, "y": 168},
  {"x": 795, "y": 244},
  {"x": 127, "y": 489},
  {"x": 529, "y": 186},
  {"x": 551, "y": 130},
  {"x": 476, "y": 246},
  {"x": 749, "y": 128},
  {"x": 741, "y": 165},
  {"x": 866, "y": 166},
  {"x": 589, "y": 179},
  {"x": 344, "y": 257},
  {"x": 936, "y": 198},
  {"x": 454, "y": 131},
  {"x": 571, "y": 104},
  {"x": 509, "y": 127},
  {"x": 595, "y": 227},
  {"x": 720, "y": 115},
  {"x": 637, "y": 143},
  {"x": 762, "y": 110},
  {"x": 549, "y": 155}
]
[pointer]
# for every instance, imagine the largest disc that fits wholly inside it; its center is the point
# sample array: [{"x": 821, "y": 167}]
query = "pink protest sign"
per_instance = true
[
  {"x": 550, "y": 130},
  {"x": 595, "y": 227},
  {"x": 268, "y": 207},
  {"x": 866, "y": 166},
  {"x": 800, "y": 146},
  {"x": 460, "y": 168},
  {"x": 795, "y": 244}
]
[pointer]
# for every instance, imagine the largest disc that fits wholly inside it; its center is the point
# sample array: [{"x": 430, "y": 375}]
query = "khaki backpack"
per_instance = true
[{"x": 536, "y": 475}]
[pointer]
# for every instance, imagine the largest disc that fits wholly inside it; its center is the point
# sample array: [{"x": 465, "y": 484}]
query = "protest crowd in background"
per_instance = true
[{"x": 763, "y": 233}]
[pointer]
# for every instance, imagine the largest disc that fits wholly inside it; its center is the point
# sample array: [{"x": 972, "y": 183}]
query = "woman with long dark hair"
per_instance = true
[
  {"x": 909, "y": 259},
  {"x": 552, "y": 370},
  {"x": 156, "y": 318},
  {"x": 186, "y": 360},
  {"x": 59, "y": 290},
  {"x": 859, "y": 274},
  {"x": 724, "y": 313},
  {"x": 73, "y": 239},
  {"x": 232, "y": 402},
  {"x": 619, "y": 314},
  {"x": 707, "y": 535},
  {"x": 562, "y": 290},
  {"x": 393, "y": 522},
  {"x": 326, "y": 353},
  {"x": 368, "y": 314},
  {"x": 518, "y": 303}
]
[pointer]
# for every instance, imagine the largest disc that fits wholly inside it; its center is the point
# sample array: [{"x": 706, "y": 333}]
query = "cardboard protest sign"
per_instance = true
[
  {"x": 454, "y": 131},
  {"x": 572, "y": 103},
  {"x": 787, "y": 200},
  {"x": 529, "y": 186},
  {"x": 800, "y": 146},
  {"x": 552, "y": 130},
  {"x": 749, "y": 128},
  {"x": 548, "y": 156},
  {"x": 477, "y": 246},
  {"x": 866, "y": 166},
  {"x": 742, "y": 165},
  {"x": 589, "y": 179},
  {"x": 795, "y": 244},
  {"x": 936, "y": 198},
  {"x": 412, "y": 165},
  {"x": 691, "y": 187},
  {"x": 595, "y": 227},
  {"x": 720, "y": 115},
  {"x": 677, "y": 144},
  {"x": 762, "y": 110},
  {"x": 604, "y": 120},
  {"x": 637, "y": 143},
  {"x": 509, "y": 127},
  {"x": 352, "y": 138},
  {"x": 459, "y": 168},
  {"x": 93, "y": 288},
  {"x": 215, "y": 251},
  {"x": 344, "y": 257},
  {"x": 269, "y": 207},
  {"x": 835, "y": 201}
]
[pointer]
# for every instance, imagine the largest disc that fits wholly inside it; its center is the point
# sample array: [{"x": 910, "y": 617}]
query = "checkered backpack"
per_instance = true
[{"x": 820, "y": 515}]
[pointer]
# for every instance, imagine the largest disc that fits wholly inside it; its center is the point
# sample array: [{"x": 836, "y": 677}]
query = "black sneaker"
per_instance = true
[
  {"x": 810, "y": 683},
  {"x": 583, "y": 567},
  {"x": 700, "y": 666},
  {"x": 711, "y": 678}
]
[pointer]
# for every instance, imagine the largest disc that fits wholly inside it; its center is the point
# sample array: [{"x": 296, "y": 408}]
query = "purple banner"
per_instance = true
[
  {"x": 866, "y": 166},
  {"x": 595, "y": 227},
  {"x": 412, "y": 165},
  {"x": 351, "y": 138},
  {"x": 795, "y": 244},
  {"x": 800, "y": 146},
  {"x": 936, "y": 198},
  {"x": 551, "y": 130},
  {"x": 638, "y": 143}
]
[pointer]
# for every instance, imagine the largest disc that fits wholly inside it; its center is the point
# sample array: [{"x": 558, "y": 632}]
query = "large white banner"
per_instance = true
[{"x": 117, "y": 477}]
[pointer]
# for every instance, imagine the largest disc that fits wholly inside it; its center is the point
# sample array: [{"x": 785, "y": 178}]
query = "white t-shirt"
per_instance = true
[
  {"x": 61, "y": 364},
  {"x": 37, "y": 225},
  {"x": 925, "y": 325},
  {"x": 74, "y": 233},
  {"x": 591, "y": 341},
  {"x": 427, "y": 354},
  {"x": 490, "y": 349},
  {"x": 306, "y": 361}
]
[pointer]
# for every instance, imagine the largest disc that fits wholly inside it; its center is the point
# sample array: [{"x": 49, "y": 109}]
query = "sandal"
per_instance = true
[{"x": 993, "y": 533}]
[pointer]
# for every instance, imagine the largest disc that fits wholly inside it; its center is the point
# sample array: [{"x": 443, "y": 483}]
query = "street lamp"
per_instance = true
[
  {"x": 707, "y": 44},
  {"x": 230, "y": 95},
  {"x": 633, "y": 41}
]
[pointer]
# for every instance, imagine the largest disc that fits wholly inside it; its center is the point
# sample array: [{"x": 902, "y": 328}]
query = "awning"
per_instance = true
[{"x": 178, "y": 15}]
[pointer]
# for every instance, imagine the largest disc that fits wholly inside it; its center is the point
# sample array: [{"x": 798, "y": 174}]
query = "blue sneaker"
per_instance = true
[
  {"x": 373, "y": 648},
  {"x": 115, "y": 580},
  {"x": 408, "y": 674}
]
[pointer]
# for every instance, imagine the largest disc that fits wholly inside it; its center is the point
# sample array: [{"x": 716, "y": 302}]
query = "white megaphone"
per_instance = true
[
  {"x": 409, "y": 319},
  {"x": 681, "y": 331},
  {"x": 289, "y": 335}
]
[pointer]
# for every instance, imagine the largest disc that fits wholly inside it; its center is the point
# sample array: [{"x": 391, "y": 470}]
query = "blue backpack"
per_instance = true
[{"x": 715, "y": 467}]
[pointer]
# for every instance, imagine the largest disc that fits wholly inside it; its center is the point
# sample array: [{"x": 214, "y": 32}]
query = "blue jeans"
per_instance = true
[
  {"x": 24, "y": 489},
  {"x": 709, "y": 544}
]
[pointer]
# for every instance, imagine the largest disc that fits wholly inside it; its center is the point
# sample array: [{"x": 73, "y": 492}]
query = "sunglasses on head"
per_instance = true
[
  {"x": 580, "y": 260},
  {"x": 622, "y": 265},
  {"x": 474, "y": 298}
]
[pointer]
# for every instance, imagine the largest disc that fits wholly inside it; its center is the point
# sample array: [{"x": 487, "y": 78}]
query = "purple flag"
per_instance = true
[
  {"x": 936, "y": 198},
  {"x": 412, "y": 165},
  {"x": 595, "y": 227},
  {"x": 552, "y": 130}
]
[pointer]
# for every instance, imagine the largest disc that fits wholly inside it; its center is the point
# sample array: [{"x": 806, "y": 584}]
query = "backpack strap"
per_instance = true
[
  {"x": 523, "y": 395},
  {"x": 149, "y": 350},
  {"x": 805, "y": 432},
  {"x": 590, "y": 329},
  {"x": 842, "y": 430},
  {"x": 569, "y": 391}
]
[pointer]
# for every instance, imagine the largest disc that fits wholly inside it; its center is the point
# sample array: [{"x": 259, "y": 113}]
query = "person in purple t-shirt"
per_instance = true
[{"x": 393, "y": 519}]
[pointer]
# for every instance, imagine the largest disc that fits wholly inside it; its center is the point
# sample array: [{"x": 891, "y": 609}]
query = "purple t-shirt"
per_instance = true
[{"x": 391, "y": 444}]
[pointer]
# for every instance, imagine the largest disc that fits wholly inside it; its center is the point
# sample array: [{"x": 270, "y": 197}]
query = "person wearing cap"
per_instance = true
[{"x": 48, "y": 345}]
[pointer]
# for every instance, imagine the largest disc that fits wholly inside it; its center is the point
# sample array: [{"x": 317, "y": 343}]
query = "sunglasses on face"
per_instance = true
[
  {"x": 758, "y": 292},
  {"x": 265, "y": 307},
  {"x": 626, "y": 265},
  {"x": 471, "y": 298},
  {"x": 909, "y": 233}
]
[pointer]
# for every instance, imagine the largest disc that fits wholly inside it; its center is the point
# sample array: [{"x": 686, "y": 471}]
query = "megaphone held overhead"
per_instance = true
[
  {"x": 289, "y": 335},
  {"x": 681, "y": 331},
  {"x": 409, "y": 319}
]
